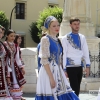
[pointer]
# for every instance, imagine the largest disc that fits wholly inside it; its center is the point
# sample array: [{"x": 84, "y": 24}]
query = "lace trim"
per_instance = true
[
  {"x": 54, "y": 37},
  {"x": 44, "y": 61},
  {"x": 44, "y": 49},
  {"x": 71, "y": 41}
]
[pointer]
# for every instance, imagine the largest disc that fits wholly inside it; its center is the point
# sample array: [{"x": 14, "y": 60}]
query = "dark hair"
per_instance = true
[
  {"x": 16, "y": 38},
  {"x": 73, "y": 19},
  {"x": 9, "y": 32},
  {"x": 2, "y": 28},
  {"x": 44, "y": 34},
  {"x": 15, "y": 41},
  {"x": 62, "y": 50}
]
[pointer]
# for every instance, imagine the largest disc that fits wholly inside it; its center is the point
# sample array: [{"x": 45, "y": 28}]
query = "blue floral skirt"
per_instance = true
[{"x": 62, "y": 90}]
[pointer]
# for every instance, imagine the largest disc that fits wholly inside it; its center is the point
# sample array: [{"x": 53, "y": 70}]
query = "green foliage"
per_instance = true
[
  {"x": 34, "y": 32},
  {"x": 35, "y": 28},
  {"x": 55, "y": 11},
  {"x": 4, "y": 20}
]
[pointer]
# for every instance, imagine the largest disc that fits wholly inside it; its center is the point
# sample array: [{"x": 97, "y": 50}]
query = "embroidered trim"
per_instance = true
[
  {"x": 70, "y": 61},
  {"x": 71, "y": 41}
]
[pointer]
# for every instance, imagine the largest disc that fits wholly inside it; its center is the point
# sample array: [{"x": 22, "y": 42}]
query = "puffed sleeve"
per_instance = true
[
  {"x": 18, "y": 60},
  {"x": 44, "y": 50}
]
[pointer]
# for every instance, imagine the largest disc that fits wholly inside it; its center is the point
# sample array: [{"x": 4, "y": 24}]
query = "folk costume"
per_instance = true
[
  {"x": 75, "y": 51},
  {"x": 15, "y": 65},
  {"x": 50, "y": 53},
  {"x": 4, "y": 92}
]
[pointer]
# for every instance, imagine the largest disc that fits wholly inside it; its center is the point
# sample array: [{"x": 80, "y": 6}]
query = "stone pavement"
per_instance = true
[{"x": 82, "y": 96}]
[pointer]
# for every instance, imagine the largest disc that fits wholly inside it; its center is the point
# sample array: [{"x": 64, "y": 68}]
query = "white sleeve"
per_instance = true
[
  {"x": 44, "y": 53},
  {"x": 64, "y": 45},
  {"x": 8, "y": 67},
  {"x": 18, "y": 60},
  {"x": 85, "y": 52}
]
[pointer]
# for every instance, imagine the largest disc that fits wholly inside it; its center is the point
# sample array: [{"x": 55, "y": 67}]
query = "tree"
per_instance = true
[
  {"x": 34, "y": 32},
  {"x": 36, "y": 27},
  {"x": 4, "y": 20}
]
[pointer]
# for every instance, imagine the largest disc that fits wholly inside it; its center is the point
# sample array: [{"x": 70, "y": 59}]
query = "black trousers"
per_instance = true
[{"x": 75, "y": 77}]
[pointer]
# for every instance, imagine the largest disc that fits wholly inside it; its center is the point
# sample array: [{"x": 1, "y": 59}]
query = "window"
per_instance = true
[
  {"x": 51, "y": 6},
  {"x": 20, "y": 10}
]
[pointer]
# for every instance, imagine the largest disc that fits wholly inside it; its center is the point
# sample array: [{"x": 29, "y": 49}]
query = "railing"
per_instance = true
[{"x": 95, "y": 65}]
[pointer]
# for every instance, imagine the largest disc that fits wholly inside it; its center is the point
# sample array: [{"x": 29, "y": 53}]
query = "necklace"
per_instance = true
[{"x": 11, "y": 47}]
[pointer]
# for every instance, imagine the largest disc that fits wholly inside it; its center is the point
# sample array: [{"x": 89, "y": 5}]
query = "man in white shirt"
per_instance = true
[{"x": 75, "y": 50}]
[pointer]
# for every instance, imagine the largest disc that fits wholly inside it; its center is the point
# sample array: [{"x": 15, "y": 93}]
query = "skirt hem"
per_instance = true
[{"x": 66, "y": 96}]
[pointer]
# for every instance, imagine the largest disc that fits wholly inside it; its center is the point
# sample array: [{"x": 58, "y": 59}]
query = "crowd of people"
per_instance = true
[
  {"x": 11, "y": 66},
  {"x": 58, "y": 60}
]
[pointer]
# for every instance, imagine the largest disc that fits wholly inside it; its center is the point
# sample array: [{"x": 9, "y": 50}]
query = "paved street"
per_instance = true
[{"x": 83, "y": 96}]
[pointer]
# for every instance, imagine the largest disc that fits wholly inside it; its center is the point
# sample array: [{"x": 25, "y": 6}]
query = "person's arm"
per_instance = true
[
  {"x": 20, "y": 56},
  {"x": 18, "y": 61},
  {"x": 86, "y": 55},
  {"x": 45, "y": 54}
]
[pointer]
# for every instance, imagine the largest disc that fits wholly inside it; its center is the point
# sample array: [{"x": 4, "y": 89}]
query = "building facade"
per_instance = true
[{"x": 27, "y": 11}]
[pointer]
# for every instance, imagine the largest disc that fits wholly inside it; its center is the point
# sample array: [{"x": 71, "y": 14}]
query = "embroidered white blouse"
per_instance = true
[
  {"x": 44, "y": 53},
  {"x": 75, "y": 50}
]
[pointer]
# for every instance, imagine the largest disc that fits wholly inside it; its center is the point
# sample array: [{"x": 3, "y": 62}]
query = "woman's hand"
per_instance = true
[
  {"x": 87, "y": 70},
  {"x": 8, "y": 80},
  {"x": 52, "y": 83},
  {"x": 66, "y": 74},
  {"x": 23, "y": 71}
]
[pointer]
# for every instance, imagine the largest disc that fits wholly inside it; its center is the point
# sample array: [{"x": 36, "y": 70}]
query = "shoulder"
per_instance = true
[
  {"x": 45, "y": 39},
  {"x": 5, "y": 42},
  {"x": 82, "y": 36}
]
